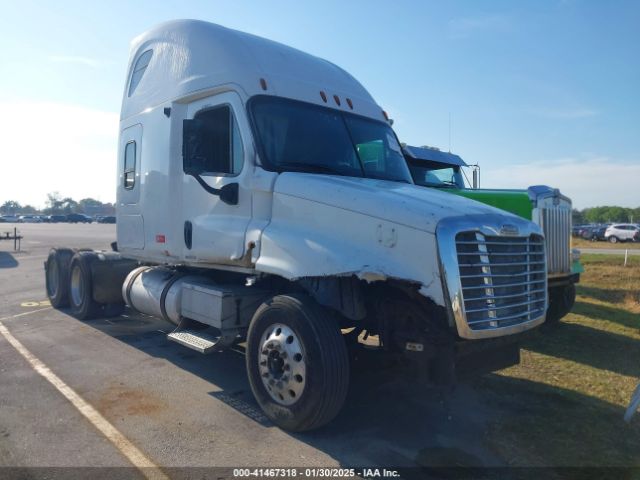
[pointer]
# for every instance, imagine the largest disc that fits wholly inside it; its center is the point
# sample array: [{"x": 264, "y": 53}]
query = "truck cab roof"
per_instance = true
[
  {"x": 432, "y": 156},
  {"x": 187, "y": 59}
]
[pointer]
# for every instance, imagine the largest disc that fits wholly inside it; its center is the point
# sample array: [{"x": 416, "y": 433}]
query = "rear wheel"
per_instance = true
[
  {"x": 81, "y": 301},
  {"x": 57, "y": 276},
  {"x": 297, "y": 362}
]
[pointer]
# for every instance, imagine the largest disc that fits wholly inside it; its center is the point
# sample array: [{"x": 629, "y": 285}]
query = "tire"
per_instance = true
[
  {"x": 561, "y": 301},
  {"x": 81, "y": 301},
  {"x": 613, "y": 239},
  {"x": 316, "y": 378},
  {"x": 57, "y": 276}
]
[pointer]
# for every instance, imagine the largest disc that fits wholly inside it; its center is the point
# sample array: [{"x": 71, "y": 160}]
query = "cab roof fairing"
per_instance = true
[
  {"x": 192, "y": 56},
  {"x": 432, "y": 155}
]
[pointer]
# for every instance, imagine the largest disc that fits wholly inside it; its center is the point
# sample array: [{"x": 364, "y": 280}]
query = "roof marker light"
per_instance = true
[
  {"x": 350, "y": 103},
  {"x": 337, "y": 99},
  {"x": 324, "y": 96},
  {"x": 386, "y": 117},
  {"x": 263, "y": 83}
]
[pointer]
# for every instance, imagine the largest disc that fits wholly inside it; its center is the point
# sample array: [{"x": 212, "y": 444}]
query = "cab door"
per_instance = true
[
  {"x": 130, "y": 224},
  {"x": 216, "y": 199}
]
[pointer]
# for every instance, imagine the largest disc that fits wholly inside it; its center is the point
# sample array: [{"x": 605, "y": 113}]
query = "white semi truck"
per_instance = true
[{"x": 251, "y": 211}]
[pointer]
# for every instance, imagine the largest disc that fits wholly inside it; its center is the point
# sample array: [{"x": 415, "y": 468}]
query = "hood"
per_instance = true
[
  {"x": 401, "y": 203},
  {"x": 517, "y": 202}
]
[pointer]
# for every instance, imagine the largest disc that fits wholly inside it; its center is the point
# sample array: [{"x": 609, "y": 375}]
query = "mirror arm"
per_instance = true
[{"x": 227, "y": 193}]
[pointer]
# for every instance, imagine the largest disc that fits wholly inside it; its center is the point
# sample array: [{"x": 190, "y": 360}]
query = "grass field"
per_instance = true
[
  {"x": 567, "y": 398},
  {"x": 581, "y": 243}
]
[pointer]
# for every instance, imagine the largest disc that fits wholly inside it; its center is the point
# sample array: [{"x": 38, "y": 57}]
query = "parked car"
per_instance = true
[
  {"x": 595, "y": 233},
  {"x": 622, "y": 232},
  {"x": 57, "y": 218},
  {"x": 10, "y": 218},
  {"x": 577, "y": 230},
  {"x": 107, "y": 219},
  {"x": 29, "y": 219},
  {"x": 79, "y": 218}
]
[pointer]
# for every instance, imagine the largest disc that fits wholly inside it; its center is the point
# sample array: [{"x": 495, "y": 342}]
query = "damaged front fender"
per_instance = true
[{"x": 311, "y": 239}]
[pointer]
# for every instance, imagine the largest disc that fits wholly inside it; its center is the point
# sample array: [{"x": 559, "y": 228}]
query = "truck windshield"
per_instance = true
[
  {"x": 297, "y": 136},
  {"x": 431, "y": 176}
]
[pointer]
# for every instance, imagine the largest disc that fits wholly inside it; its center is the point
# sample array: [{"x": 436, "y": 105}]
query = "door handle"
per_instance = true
[{"x": 188, "y": 234}]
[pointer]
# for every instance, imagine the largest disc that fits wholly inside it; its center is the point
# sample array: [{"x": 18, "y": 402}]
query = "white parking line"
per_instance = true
[
  {"x": 149, "y": 469},
  {"x": 25, "y": 313}
]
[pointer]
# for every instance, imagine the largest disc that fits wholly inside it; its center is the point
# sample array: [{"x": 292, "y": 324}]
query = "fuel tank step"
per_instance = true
[{"x": 197, "y": 340}]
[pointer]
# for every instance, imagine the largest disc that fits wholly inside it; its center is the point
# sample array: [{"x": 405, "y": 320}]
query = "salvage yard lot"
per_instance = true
[{"x": 562, "y": 406}]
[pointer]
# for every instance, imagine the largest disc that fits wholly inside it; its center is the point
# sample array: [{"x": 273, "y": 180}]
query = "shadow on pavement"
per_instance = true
[
  {"x": 390, "y": 419},
  {"x": 7, "y": 260}
]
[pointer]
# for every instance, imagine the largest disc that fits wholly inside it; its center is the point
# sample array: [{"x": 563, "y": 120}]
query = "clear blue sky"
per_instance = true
[{"x": 538, "y": 91}]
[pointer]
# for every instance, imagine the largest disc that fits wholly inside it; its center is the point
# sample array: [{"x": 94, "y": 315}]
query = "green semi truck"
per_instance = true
[{"x": 543, "y": 205}]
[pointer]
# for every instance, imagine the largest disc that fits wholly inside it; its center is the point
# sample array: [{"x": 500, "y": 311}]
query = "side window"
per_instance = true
[
  {"x": 129, "y": 165},
  {"x": 220, "y": 145},
  {"x": 138, "y": 70}
]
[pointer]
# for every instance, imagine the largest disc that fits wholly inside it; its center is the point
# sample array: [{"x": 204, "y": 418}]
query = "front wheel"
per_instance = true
[
  {"x": 297, "y": 362},
  {"x": 613, "y": 239}
]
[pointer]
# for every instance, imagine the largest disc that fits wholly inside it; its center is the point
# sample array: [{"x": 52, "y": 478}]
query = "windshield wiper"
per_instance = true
[{"x": 309, "y": 167}]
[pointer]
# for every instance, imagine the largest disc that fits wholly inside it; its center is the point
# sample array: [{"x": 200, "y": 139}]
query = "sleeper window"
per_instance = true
[
  {"x": 138, "y": 70},
  {"x": 220, "y": 145},
  {"x": 130, "y": 165}
]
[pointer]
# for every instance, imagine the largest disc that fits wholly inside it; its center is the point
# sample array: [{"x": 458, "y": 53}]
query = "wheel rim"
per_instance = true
[
  {"x": 52, "y": 278},
  {"x": 282, "y": 364},
  {"x": 77, "y": 288}
]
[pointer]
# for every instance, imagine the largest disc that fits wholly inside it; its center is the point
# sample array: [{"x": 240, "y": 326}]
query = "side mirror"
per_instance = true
[{"x": 194, "y": 160}]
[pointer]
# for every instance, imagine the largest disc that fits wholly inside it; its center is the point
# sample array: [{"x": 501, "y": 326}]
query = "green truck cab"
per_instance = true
[{"x": 543, "y": 205}]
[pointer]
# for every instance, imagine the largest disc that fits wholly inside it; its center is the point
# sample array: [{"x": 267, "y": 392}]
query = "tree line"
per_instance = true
[
  {"x": 56, "y": 204},
  {"x": 606, "y": 214}
]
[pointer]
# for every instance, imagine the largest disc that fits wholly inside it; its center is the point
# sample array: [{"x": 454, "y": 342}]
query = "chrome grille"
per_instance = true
[
  {"x": 556, "y": 225},
  {"x": 503, "y": 279}
]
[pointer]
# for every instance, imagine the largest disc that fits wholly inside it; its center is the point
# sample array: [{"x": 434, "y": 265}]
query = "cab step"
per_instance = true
[
  {"x": 201, "y": 338},
  {"x": 198, "y": 340}
]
